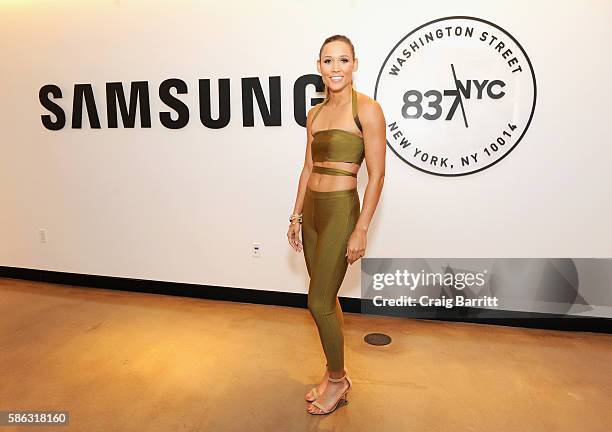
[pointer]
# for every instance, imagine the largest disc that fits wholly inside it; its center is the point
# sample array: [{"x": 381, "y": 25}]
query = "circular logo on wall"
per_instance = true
[{"x": 458, "y": 94}]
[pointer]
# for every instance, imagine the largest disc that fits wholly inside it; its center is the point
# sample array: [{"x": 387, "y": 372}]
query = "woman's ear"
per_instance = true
[
  {"x": 356, "y": 66},
  {"x": 319, "y": 66}
]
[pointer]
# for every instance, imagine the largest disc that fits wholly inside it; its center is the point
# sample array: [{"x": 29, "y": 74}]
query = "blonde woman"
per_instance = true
[{"x": 342, "y": 131}]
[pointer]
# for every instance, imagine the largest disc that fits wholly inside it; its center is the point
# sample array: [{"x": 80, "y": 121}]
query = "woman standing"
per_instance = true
[{"x": 350, "y": 127}]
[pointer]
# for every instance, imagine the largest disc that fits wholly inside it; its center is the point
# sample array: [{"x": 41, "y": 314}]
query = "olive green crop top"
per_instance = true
[{"x": 337, "y": 145}]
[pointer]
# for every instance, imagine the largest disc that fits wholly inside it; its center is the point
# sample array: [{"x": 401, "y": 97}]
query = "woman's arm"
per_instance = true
[
  {"x": 293, "y": 233},
  {"x": 375, "y": 142}
]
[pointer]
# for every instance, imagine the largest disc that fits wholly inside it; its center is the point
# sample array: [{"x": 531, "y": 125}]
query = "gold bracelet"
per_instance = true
[{"x": 295, "y": 216}]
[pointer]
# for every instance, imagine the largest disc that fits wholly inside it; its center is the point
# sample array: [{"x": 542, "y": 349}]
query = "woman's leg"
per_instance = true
[
  {"x": 309, "y": 244},
  {"x": 335, "y": 215},
  {"x": 309, "y": 232}
]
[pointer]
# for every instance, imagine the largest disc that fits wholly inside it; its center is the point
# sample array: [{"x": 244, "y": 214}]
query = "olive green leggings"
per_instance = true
[{"x": 328, "y": 220}]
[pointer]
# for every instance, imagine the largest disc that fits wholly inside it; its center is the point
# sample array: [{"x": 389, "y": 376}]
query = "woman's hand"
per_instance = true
[
  {"x": 355, "y": 248},
  {"x": 293, "y": 234}
]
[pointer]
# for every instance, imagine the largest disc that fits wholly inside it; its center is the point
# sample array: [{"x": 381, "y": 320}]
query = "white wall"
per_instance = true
[{"x": 185, "y": 205}]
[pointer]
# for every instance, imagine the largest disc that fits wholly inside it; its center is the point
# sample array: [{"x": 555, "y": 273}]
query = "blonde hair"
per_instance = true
[{"x": 332, "y": 39}]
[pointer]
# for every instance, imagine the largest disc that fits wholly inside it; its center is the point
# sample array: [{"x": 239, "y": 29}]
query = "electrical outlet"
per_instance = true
[
  {"x": 256, "y": 249},
  {"x": 42, "y": 234}
]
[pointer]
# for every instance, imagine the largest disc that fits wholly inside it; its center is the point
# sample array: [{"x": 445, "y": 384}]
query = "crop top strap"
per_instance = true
[
  {"x": 332, "y": 171},
  {"x": 355, "y": 114},
  {"x": 353, "y": 107},
  {"x": 317, "y": 113}
]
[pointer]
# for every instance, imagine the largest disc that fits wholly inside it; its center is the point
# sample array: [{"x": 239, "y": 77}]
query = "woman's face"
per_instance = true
[{"x": 336, "y": 65}]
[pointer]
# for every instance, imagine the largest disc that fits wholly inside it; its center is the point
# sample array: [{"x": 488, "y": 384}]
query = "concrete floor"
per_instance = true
[{"x": 121, "y": 361}]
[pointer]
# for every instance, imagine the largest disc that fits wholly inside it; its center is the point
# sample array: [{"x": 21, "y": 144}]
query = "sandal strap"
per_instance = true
[
  {"x": 337, "y": 379},
  {"x": 318, "y": 405},
  {"x": 333, "y": 408}
]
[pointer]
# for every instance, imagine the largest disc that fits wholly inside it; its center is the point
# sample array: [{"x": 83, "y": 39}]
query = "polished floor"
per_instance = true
[{"x": 121, "y": 361}]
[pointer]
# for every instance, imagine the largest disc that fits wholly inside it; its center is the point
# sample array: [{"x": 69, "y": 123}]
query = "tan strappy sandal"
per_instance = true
[
  {"x": 314, "y": 390},
  {"x": 342, "y": 397}
]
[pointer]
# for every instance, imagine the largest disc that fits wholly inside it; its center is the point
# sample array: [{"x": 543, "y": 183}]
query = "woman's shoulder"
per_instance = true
[
  {"x": 315, "y": 107},
  {"x": 312, "y": 112},
  {"x": 368, "y": 108},
  {"x": 365, "y": 101}
]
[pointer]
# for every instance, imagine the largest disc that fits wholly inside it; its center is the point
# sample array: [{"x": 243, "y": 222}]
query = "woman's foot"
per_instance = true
[
  {"x": 314, "y": 393},
  {"x": 329, "y": 397}
]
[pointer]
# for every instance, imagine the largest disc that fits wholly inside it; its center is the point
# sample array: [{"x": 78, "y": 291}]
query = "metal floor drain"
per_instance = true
[{"x": 377, "y": 339}]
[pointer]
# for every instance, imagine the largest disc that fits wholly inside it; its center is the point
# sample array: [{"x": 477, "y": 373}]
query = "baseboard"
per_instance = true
[{"x": 354, "y": 305}]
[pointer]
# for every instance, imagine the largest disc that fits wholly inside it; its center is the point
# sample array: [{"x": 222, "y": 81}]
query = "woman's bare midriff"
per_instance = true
[{"x": 328, "y": 183}]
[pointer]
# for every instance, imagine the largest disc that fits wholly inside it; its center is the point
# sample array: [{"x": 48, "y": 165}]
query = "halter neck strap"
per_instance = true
[{"x": 353, "y": 109}]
